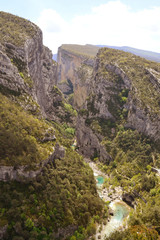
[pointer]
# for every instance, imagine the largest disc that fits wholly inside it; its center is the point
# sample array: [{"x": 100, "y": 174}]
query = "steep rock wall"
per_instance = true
[
  {"x": 73, "y": 75},
  {"x": 122, "y": 91},
  {"x": 28, "y": 68},
  {"x": 9, "y": 76},
  {"x": 89, "y": 144}
]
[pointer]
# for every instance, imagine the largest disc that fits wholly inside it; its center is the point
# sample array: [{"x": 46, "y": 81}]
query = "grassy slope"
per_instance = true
[
  {"x": 15, "y": 30},
  {"x": 152, "y": 56}
]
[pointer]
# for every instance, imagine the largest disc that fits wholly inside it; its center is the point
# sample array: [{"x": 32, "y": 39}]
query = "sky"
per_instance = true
[{"x": 134, "y": 23}]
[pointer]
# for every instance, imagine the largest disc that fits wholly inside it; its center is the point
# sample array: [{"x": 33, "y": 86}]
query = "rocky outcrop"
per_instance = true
[
  {"x": 10, "y": 79},
  {"x": 89, "y": 144},
  {"x": 59, "y": 153},
  {"x": 119, "y": 72},
  {"x": 21, "y": 173},
  {"x": 129, "y": 199},
  {"x": 142, "y": 120},
  {"x": 8, "y": 173},
  {"x": 65, "y": 232},
  {"x": 48, "y": 81}
]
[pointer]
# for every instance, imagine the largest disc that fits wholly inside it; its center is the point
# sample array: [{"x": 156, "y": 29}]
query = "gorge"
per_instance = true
[{"x": 102, "y": 104}]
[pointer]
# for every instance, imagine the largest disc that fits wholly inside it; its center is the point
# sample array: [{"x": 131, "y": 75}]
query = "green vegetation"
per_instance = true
[
  {"x": 62, "y": 196},
  {"x": 21, "y": 136},
  {"x": 15, "y": 30},
  {"x": 69, "y": 108},
  {"x": 136, "y": 232},
  {"x": 6, "y": 91},
  {"x": 70, "y": 98},
  {"x": 116, "y": 104},
  {"x": 134, "y": 155},
  {"x": 64, "y": 193},
  {"x": 101, "y": 125}
]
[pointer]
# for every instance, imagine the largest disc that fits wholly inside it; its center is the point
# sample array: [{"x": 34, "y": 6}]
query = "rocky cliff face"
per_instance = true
[
  {"x": 73, "y": 74},
  {"x": 115, "y": 88},
  {"x": 126, "y": 90},
  {"x": 27, "y": 66},
  {"x": 89, "y": 144}
]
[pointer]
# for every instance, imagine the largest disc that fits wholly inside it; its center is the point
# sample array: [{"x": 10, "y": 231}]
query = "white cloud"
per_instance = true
[
  {"x": 113, "y": 23},
  {"x": 51, "y": 21}
]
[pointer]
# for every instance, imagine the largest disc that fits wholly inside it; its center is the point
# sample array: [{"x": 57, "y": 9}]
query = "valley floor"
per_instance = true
[{"x": 118, "y": 209}]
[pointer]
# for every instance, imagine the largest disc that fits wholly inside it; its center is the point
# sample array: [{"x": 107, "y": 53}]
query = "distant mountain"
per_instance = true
[{"x": 152, "y": 56}]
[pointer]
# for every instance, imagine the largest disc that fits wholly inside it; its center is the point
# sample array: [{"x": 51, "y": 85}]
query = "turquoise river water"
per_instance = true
[{"x": 120, "y": 211}]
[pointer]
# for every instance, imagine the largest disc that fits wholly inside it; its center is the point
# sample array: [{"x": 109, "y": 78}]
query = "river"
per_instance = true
[{"x": 119, "y": 208}]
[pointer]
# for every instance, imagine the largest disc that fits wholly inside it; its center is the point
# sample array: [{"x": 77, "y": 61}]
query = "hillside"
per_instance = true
[{"x": 16, "y": 30}]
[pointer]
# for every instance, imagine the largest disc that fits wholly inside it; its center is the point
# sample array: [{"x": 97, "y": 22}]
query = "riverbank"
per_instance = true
[
  {"x": 118, "y": 221},
  {"x": 118, "y": 210},
  {"x": 107, "y": 194}
]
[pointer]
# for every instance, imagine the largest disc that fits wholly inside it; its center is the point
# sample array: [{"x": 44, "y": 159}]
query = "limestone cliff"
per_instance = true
[
  {"x": 27, "y": 68},
  {"x": 125, "y": 90},
  {"x": 89, "y": 144},
  {"x": 115, "y": 88},
  {"x": 74, "y": 72}
]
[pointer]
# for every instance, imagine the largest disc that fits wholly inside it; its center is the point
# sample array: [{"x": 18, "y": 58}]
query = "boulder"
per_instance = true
[{"x": 129, "y": 199}]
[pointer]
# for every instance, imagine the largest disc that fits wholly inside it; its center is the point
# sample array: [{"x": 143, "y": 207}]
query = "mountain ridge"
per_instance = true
[
  {"x": 92, "y": 50},
  {"x": 150, "y": 55}
]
